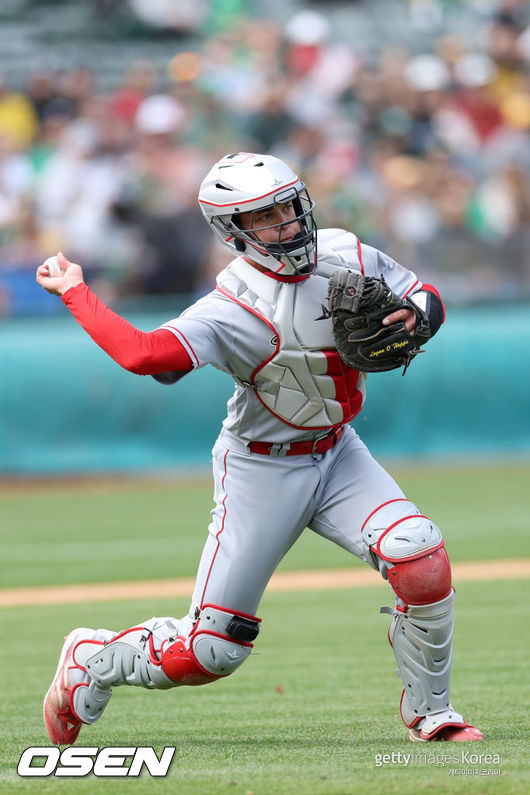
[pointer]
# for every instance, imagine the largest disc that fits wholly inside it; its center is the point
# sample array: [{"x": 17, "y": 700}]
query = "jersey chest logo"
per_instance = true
[{"x": 326, "y": 314}]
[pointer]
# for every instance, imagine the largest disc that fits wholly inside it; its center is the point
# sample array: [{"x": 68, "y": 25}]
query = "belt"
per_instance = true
[{"x": 312, "y": 447}]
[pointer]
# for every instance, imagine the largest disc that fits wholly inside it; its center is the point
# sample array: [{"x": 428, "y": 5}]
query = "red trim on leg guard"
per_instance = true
[
  {"x": 415, "y": 721},
  {"x": 422, "y": 581},
  {"x": 181, "y": 666}
]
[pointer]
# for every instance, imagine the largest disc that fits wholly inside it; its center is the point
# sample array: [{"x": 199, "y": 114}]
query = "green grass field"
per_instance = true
[{"x": 318, "y": 700}]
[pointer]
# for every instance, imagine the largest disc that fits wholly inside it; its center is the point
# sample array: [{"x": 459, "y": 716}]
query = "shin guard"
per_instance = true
[
  {"x": 422, "y": 642},
  {"x": 154, "y": 655},
  {"x": 132, "y": 657},
  {"x": 422, "y": 639}
]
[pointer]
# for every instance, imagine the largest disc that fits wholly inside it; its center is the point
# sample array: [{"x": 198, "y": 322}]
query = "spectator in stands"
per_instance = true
[{"x": 423, "y": 154}]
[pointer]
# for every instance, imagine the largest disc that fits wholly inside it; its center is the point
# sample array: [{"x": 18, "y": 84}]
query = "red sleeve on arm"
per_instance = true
[{"x": 141, "y": 352}]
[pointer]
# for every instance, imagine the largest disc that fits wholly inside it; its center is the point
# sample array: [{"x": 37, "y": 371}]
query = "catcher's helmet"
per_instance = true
[{"x": 244, "y": 183}]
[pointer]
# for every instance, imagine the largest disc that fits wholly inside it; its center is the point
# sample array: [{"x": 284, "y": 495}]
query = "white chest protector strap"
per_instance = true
[{"x": 304, "y": 382}]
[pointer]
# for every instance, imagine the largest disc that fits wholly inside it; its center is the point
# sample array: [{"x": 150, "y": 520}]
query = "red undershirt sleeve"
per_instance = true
[{"x": 140, "y": 352}]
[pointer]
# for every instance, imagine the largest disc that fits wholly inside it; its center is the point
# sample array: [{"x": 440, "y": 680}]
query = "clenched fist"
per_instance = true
[{"x": 71, "y": 275}]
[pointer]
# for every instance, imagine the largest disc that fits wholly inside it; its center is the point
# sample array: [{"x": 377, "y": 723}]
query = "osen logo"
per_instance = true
[{"x": 105, "y": 762}]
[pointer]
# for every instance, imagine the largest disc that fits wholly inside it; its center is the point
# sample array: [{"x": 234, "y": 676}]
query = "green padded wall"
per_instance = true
[{"x": 66, "y": 408}]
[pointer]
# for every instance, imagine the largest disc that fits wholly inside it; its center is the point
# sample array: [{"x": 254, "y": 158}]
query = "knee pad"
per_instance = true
[
  {"x": 220, "y": 642},
  {"x": 422, "y": 581},
  {"x": 407, "y": 548}
]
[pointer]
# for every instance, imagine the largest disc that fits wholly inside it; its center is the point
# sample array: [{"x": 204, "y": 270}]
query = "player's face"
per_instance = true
[{"x": 267, "y": 224}]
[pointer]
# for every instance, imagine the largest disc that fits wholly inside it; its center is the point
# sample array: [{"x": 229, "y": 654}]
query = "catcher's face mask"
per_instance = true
[
  {"x": 237, "y": 196},
  {"x": 291, "y": 239}
]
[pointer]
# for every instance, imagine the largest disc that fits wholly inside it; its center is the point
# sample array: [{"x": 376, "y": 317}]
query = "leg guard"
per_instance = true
[
  {"x": 218, "y": 644},
  {"x": 422, "y": 642},
  {"x": 407, "y": 548},
  {"x": 155, "y": 655},
  {"x": 132, "y": 657}
]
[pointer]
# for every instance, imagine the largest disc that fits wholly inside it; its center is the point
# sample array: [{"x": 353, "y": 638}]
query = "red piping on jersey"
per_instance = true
[
  {"x": 359, "y": 254},
  {"x": 254, "y": 199},
  {"x": 396, "y": 499},
  {"x": 185, "y": 340},
  {"x": 411, "y": 288},
  {"x": 219, "y": 533}
]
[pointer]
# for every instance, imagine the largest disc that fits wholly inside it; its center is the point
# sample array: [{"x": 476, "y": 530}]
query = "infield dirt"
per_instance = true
[{"x": 285, "y": 582}]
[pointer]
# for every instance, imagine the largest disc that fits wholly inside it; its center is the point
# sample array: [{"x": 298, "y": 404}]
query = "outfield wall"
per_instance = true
[{"x": 66, "y": 408}]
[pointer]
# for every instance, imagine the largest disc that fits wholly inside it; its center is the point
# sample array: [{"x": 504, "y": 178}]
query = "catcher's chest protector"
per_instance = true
[{"x": 304, "y": 382}]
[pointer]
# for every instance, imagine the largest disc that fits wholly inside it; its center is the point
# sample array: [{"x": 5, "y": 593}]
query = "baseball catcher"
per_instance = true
[{"x": 300, "y": 382}]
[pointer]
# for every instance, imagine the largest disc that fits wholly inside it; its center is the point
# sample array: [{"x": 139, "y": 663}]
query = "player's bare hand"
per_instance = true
[
  {"x": 58, "y": 284},
  {"x": 406, "y": 315}
]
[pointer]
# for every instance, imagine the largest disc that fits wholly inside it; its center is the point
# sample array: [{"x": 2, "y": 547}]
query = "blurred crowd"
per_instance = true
[{"x": 424, "y": 155}]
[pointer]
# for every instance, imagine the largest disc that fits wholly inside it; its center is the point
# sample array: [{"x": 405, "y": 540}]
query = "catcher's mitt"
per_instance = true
[{"x": 358, "y": 305}]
